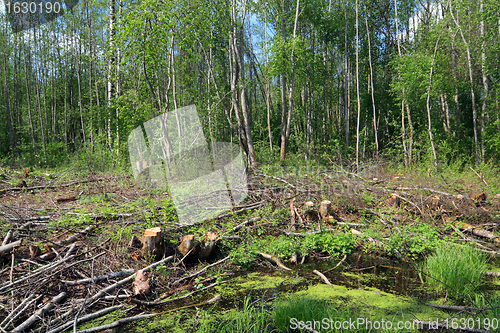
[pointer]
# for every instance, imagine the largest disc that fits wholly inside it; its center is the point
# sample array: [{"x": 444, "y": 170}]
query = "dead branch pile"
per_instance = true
[{"x": 75, "y": 281}]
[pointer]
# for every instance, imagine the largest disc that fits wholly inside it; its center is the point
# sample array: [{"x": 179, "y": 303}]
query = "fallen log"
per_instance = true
[
  {"x": 7, "y": 238},
  {"x": 99, "y": 278},
  {"x": 19, "y": 310},
  {"x": 10, "y": 246},
  {"x": 38, "y": 314},
  {"x": 454, "y": 307},
  {"x": 493, "y": 237},
  {"x": 323, "y": 277}
]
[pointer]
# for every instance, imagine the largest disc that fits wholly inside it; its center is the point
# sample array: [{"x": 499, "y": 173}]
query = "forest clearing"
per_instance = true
[
  {"x": 249, "y": 166},
  {"x": 77, "y": 253}
]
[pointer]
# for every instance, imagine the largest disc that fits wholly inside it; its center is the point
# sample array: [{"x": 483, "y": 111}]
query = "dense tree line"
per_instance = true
[{"x": 417, "y": 81}]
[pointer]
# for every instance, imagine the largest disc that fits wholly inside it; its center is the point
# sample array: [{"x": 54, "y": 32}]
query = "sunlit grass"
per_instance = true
[{"x": 455, "y": 268}]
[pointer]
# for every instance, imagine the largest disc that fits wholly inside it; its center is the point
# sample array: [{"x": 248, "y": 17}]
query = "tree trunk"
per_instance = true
[
  {"x": 38, "y": 104},
  {"x": 284, "y": 13},
  {"x": 403, "y": 102},
  {"x": 473, "y": 97},
  {"x": 7, "y": 103},
  {"x": 357, "y": 90},
  {"x": 429, "y": 128},
  {"x": 267, "y": 87},
  {"x": 371, "y": 89},
  {"x": 485, "y": 80},
  {"x": 111, "y": 65}
]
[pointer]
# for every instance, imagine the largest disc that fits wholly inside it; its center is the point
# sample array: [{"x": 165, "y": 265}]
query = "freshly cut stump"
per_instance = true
[{"x": 152, "y": 242}]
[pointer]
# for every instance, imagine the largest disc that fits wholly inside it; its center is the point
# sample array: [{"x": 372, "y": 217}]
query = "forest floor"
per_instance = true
[{"x": 75, "y": 252}]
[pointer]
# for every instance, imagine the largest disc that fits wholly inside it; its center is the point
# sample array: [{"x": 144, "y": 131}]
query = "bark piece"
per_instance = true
[
  {"x": 152, "y": 242},
  {"x": 141, "y": 284}
]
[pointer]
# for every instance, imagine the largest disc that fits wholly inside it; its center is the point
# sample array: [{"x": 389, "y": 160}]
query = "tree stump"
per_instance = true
[
  {"x": 152, "y": 242},
  {"x": 208, "y": 245},
  {"x": 187, "y": 243},
  {"x": 310, "y": 214},
  {"x": 324, "y": 208}
]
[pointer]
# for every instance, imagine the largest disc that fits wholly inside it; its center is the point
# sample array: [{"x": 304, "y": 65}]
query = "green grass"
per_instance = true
[
  {"x": 234, "y": 321},
  {"x": 455, "y": 268},
  {"x": 291, "y": 314}
]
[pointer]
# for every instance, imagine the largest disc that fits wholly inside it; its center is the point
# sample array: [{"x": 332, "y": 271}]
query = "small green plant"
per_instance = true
[
  {"x": 415, "y": 241},
  {"x": 197, "y": 283},
  {"x": 456, "y": 267}
]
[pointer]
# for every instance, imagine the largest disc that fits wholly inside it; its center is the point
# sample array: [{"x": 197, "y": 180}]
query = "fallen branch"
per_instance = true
[
  {"x": 38, "y": 314},
  {"x": 51, "y": 187},
  {"x": 338, "y": 264},
  {"x": 74, "y": 237},
  {"x": 480, "y": 177},
  {"x": 242, "y": 224},
  {"x": 117, "y": 323},
  {"x": 34, "y": 273},
  {"x": 10, "y": 246},
  {"x": 7, "y": 238},
  {"x": 195, "y": 274},
  {"x": 276, "y": 178},
  {"x": 275, "y": 260},
  {"x": 323, "y": 277},
  {"x": 104, "y": 291},
  {"x": 411, "y": 203},
  {"x": 257, "y": 205},
  {"x": 454, "y": 307},
  {"x": 424, "y": 188},
  {"x": 479, "y": 232},
  {"x": 99, "y": 278},
  {"x": 19, "y": 310},
  {"x": 86, "y": 318}
]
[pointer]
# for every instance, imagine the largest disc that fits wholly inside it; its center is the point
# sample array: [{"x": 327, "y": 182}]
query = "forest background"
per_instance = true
[{"x": 413, "y": 82}]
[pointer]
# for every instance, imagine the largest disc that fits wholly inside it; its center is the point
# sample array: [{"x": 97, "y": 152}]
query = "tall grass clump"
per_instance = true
[
  {"x": 457, "y": 266},
  {"x": 292, "y": 314},
  {"x": 249, "y": 320}
]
